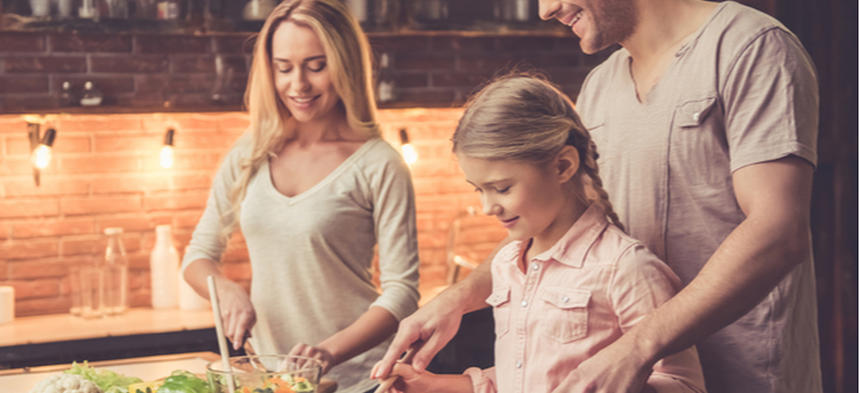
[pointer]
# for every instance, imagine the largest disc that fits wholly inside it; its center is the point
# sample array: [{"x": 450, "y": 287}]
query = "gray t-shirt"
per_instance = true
[
  {"x": 311, "y": 253},
  {"x": 741, "y": 90}
]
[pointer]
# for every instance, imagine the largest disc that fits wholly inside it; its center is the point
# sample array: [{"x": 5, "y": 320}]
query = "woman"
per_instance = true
[{"x": 313, "y": 188}]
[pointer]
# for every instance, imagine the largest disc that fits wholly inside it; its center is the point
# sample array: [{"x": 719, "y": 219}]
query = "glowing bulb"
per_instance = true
[
  {"x": 42, "y": 156},
  {"x": 167, "y": 156},
  {"x": 409, "y": 153}
]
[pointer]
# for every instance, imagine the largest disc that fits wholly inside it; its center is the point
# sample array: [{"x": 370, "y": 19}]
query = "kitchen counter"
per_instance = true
[
  {"x": 146, "y": 368},
  {"x": 65, "y": 327},
  {"x": 63, "y": 338}
]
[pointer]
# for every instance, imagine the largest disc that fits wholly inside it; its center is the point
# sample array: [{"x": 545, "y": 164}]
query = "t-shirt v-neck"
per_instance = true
[
  {"x": 331, "y": 176},
  {"x": 653, "y": 93}
]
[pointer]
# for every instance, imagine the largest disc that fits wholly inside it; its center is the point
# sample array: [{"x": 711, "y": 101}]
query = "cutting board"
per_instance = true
[{"x": 146, "y": 368}]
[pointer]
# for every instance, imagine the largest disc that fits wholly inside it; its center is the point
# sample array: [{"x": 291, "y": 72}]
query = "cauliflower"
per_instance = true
[{"x": 66, "y": 383}]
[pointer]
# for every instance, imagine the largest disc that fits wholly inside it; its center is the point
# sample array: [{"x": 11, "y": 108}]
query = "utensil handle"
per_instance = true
[{"x": 219, "y": 331}]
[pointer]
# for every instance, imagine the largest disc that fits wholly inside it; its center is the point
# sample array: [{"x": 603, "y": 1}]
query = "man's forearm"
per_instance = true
[
  {"x": 471, "y": 293},
  {"x": 733, "y": 281}
]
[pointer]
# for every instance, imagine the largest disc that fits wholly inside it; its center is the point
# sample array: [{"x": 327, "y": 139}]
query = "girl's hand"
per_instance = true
[
  {"x": 237, "y": 312},
  {"x": 324, "y": 356},
  {"x": 413, "y": 381}
]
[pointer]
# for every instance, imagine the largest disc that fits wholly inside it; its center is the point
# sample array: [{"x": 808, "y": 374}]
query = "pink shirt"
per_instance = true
[{"x": 574, "y": 299}]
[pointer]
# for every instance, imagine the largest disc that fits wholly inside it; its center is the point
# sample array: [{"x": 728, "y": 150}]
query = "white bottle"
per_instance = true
[{"x": 164, "y": 270}]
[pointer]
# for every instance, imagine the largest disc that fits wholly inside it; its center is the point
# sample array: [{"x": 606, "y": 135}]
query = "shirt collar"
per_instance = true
[{"x": 577, "y": 241}]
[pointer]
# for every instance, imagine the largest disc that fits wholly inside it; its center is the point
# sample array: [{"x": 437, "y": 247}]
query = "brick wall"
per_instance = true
[
  {"x": 105, "y": 172},
  {"x": 157, "y": 72}
]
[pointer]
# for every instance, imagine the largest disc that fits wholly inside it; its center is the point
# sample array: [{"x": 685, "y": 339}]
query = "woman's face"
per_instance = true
[{"x": 302, "y": 77}]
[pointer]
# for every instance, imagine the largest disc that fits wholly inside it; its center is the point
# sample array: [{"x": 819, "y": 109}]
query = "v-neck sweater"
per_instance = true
[{"x": 311, "y": 253}]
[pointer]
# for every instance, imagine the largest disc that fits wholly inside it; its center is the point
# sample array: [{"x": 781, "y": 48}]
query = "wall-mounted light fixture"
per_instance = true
[
  {"x": 167, "y": 149},
  {"x": 409, "y": 153},
  {"x": 40, "y": 148}
]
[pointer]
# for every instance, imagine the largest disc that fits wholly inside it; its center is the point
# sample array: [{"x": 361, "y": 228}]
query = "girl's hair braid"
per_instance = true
[{"x": 589, "y": 165}]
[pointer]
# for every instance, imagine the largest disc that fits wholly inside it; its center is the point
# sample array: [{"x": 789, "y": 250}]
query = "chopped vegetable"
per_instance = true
[
  {"x": 183, "y": 382},
  {"x": 144, "y": 387},
  {"x": 66, "y": 383},
  {"x": 107, "y": 380}
]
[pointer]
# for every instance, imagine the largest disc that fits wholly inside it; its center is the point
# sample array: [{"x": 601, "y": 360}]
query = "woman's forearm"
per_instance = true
[
  {"x": 196, "y": 272},
  {"x": 370, "y": 329}
]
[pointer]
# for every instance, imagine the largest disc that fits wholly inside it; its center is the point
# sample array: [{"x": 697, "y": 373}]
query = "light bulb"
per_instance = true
[
  {"x": 167, "y": 156},
  {"x": 42, "y": 156},
  {"x": 409, "y": 153}
]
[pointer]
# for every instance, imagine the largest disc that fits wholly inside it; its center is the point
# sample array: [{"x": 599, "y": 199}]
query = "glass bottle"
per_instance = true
[
  {"x": 115, "y": 270},
  {"x": 385, "y": 87},
  {"x": 164, "y": 270},
  {"x": 66, "y": 97}
]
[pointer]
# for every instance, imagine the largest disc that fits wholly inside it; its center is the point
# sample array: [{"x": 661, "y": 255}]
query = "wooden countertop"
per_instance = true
[{"x": 65, "y": 327}]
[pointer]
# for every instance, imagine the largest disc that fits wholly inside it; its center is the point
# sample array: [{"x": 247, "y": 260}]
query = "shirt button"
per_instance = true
[
  {"x": 696, "y": 116},
  {"x": 535, "y": 267},
  {"x": 519, "y": 364},
  {"x": 524, "y": 304},
  {"x": 565, "y": 299}
]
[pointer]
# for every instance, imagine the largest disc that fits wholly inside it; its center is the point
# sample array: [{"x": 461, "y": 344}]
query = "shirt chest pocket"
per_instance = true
[
  {"x": 563, "y": 313},
  {"x": 699, "y": 149},
  {"x": 500, "y": 299}
]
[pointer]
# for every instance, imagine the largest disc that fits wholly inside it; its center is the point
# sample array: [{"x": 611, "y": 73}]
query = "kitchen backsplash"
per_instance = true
[{"x": 105, "y": 172}]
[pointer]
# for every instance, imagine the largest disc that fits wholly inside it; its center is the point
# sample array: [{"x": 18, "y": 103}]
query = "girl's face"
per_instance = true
[
  {"x": 527, "y": 199},
  {"x": 302, "y": 77}
]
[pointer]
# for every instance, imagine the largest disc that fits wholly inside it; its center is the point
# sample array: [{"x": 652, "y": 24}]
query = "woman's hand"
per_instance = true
[
  {"x": 323, "y": 355},
  {"x": 237, "y": 312}
]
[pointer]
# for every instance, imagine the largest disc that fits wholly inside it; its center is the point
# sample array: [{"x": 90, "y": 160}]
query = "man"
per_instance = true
[{"x": 706, "y": 123}]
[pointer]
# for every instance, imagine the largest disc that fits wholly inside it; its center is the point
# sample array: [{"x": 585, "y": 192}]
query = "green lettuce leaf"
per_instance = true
[{"x": 107, "y": 380}]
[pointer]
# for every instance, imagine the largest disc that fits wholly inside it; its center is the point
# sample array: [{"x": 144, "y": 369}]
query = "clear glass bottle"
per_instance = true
[
  {"x": 115, "y": 270},
  {"x": 164, "y": 270}
]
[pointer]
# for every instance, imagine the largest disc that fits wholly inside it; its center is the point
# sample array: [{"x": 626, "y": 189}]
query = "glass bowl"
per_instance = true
[{"x": 265, "y": 374}]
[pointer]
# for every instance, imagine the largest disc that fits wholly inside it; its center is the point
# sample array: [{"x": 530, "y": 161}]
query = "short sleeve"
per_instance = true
[
  {"x": 641, "y": 282},
  {"x": 771, "y": 101}
]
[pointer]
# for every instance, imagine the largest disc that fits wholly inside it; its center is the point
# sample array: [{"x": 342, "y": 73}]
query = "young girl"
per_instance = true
[
  {"x": 313, "y": 188},
  {"x": 571, "y": 281}
]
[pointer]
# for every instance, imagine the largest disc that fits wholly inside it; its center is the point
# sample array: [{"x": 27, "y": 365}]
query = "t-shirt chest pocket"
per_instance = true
[
  {"x": 563, "y": 313},
  {"x": 699, "y": 150}
]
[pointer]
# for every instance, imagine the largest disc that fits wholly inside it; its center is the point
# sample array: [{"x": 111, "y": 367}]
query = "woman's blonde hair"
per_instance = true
[
  {"x": 526, "y": 118},
  {"x": 348, "y": 62}
]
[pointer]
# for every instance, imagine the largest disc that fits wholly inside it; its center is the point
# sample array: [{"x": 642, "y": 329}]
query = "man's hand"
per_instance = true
[
  {"x": 615, "y": 369},
  {"x": 428, "y": 330},
  {"x": 432, "y": 326}
]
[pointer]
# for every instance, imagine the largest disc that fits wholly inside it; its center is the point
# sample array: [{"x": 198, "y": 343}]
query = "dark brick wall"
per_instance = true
[{"x": 157, "y": 72}]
